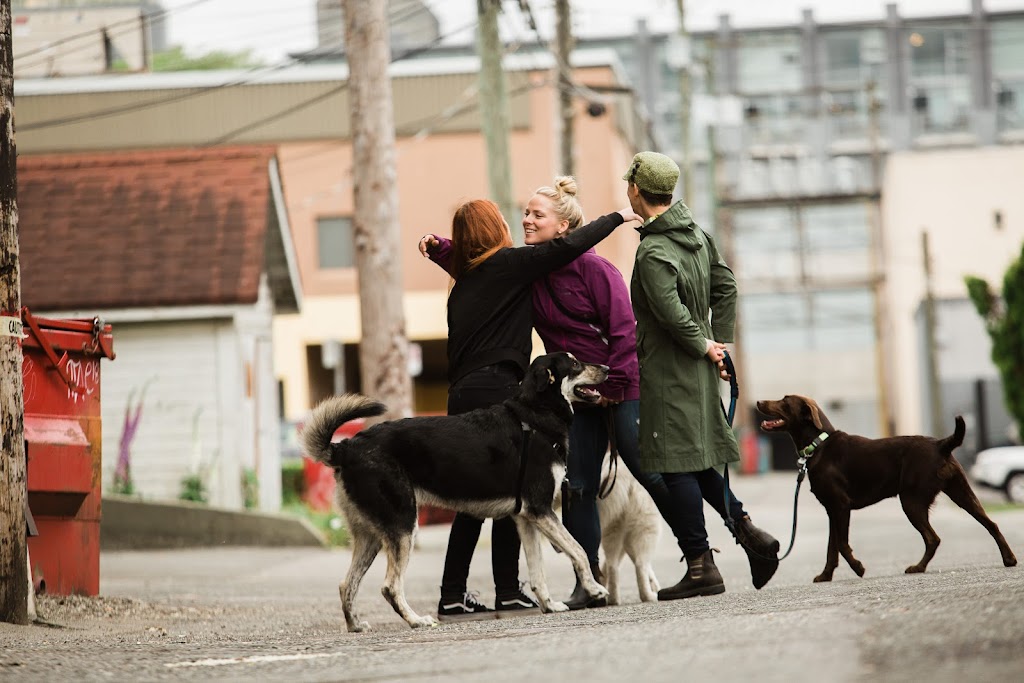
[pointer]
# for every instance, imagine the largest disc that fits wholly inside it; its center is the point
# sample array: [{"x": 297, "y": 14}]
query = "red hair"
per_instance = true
[{"x": 478, "y": 232}]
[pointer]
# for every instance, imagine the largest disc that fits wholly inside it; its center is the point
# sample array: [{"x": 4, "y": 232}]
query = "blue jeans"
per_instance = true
[{"x": 588, "y": 441}]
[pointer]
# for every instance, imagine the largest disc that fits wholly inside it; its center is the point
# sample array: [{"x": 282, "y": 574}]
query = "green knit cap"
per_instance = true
[{"x": 653, "y": 172}]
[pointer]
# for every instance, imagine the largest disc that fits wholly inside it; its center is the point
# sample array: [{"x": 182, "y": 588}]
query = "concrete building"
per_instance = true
[{"x": 834, "y": 146}]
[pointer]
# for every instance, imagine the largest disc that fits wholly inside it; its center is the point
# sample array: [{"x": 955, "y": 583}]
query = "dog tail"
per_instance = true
[
  {"x": 330, "y": 414},
  {"x": 951, "y": 442}
]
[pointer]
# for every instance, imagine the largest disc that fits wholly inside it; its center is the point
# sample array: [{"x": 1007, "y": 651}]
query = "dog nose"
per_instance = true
[{"x": 604, "y": 368}]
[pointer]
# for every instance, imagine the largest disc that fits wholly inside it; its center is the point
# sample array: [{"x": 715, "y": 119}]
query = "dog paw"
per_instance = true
[
  {"x": 822, "y": 578},
  {"x": 1010, "y": 561},
  {"x": 360, "y": 627},
  {"x": 858, "y": 569},
  {"x": 598, "y": 592},
  {"x": 555, "y": 606},
  {"x": 421, "y": 622},
  {"x": 914, "y": 569}
]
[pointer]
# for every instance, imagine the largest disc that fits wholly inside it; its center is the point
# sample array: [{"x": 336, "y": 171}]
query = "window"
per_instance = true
[
  {"x": 1008, "y": 72},
  {"x": 769, "y": 62},
  {"x": 851, "y": 55},
  {"x": 335, "y": 242},
  {"x": 937, "y": 51},
  {"x": 836, "y": 320}
]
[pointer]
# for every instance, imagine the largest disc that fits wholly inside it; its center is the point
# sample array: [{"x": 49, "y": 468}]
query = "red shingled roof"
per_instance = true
[{"x": 143, "y": 228}]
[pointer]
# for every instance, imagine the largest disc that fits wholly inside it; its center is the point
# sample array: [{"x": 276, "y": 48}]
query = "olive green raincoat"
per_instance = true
[{"x": 679, "y": 276}]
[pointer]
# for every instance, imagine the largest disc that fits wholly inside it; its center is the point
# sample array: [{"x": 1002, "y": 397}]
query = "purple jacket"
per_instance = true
[{"x": 590, "y": 287}]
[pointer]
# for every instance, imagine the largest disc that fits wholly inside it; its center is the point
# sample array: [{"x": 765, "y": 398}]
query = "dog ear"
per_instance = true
[{"x": 815, "y": 412}]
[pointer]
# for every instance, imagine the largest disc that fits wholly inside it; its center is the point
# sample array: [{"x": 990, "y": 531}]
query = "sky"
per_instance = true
[{"x": 271, "y": 29}]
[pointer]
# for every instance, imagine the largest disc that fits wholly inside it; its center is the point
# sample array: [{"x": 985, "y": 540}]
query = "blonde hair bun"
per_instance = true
[{"x": 566, "y": 184}]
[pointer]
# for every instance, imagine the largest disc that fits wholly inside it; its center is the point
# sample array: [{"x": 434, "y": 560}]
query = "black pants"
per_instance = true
[
  {"x": 689, "y": 490},
  {"x": 480, "y": 389}
]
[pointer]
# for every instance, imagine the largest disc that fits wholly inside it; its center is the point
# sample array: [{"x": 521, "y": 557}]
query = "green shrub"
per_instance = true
[{"x": 329, "y": 523}]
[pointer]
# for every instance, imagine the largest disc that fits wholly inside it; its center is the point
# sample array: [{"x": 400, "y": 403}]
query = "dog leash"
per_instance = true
[
  {"x": 730, "y": 414},
  {"x": 524, "y": 449}
]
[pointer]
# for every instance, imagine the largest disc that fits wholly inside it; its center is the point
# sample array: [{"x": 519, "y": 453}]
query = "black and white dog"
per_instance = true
[{"x": 469, "y": 463}]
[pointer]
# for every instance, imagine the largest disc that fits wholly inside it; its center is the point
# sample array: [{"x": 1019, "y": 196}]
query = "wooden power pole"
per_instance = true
[
  {"x": 565, "y": 88},
  {"x": 384, "y": 347},
  {"x": 494, "y": 114},
  {"x": 931, "y": 339},
  {"x": 685, "y": 89},
  {"x": 13, "y": 562}
]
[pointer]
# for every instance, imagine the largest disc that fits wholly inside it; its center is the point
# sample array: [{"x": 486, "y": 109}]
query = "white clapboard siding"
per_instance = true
[{"x": 178, "y": 370}]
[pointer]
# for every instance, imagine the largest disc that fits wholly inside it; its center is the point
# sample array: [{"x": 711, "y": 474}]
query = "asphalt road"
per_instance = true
[{"x": 274, "y": 614}]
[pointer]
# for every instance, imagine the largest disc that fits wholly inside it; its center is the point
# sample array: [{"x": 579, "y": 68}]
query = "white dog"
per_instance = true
[{"x": 630, "y": 525}]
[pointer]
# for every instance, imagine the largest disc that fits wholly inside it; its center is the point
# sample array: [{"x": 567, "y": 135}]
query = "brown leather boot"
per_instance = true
[
  {"x": 580, "y": 598},
  {"x": 762, "y": 551},
  {"x": 702, "y": 578}
]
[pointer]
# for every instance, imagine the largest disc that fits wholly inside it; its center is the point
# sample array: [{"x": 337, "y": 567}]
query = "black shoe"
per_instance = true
[
  {"x": 702, "y": 578},
  {"x": 464, "y": 608},
  {"x": 762, "y": 551},
  {"x": 515, "y": 604},
  {"x": 580, "y": 598}
]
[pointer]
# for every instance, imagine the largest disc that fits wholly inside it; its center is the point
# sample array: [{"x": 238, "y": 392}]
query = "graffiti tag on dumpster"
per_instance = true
[{"x": 86, "y": 376}]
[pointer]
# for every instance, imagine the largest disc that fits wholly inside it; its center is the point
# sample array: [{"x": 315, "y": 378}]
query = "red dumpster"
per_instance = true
[{"x": 61, "y": 372}]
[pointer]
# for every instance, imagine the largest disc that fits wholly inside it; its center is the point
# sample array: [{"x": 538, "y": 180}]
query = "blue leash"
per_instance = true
[{"x": 730, "y": 415}]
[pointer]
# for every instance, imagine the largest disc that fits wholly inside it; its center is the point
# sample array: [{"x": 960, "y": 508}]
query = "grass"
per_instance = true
[
  {"x": 329, "y": 523},
  {"x": 1002, "y": 507}
]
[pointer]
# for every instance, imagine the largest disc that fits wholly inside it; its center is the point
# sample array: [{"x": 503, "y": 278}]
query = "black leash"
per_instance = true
[
  {"x": 524, "y": 449},
  {"x": 730, "y": 414}
]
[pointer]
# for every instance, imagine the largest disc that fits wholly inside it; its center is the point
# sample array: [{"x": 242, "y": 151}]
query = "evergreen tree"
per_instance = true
[{"x": 1004, "y": 320}]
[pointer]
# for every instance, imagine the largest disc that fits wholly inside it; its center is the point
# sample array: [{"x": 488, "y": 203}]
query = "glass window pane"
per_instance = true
[
  {"x": 849, "y": 56},
  {"x": 937, "y": 51},
  {"x": 766, "y": 245},
  {"x": 775, "y": 322},
  {"x": 768, "y": 62},
  {"x": 335, "y": 243},
  {"x": 1008, "y": 48},
  {"x": 842, "y": 319}
]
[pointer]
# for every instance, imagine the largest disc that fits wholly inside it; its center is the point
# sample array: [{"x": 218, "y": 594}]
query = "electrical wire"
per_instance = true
[{"x": 324, "y": 95}]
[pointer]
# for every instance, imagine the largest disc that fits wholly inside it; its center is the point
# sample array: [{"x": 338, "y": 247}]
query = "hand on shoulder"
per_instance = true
[{"x": 629, "y": 215}]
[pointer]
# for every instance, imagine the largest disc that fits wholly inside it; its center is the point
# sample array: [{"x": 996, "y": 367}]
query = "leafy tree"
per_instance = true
[
  {"x": 175, "y": 59},
  {"x": 1004, "y": 320}
]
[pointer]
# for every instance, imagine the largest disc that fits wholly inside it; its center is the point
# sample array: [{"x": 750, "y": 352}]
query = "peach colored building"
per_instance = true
[{"x": 436, "y": 172}]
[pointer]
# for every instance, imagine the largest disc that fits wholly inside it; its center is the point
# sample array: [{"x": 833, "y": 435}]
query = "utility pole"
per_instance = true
[
  {"x": 13, "y": 477},
  {"x": 564, "y": 48},
  {"x": 684, "y": 102},
  {"x": 494, "y": 114},
  {"x": 384, "y": 347},
  {"x": 878, "y": 278},
  {"x": 931, "y": 341},
  {"x": 724, "y": 234}
]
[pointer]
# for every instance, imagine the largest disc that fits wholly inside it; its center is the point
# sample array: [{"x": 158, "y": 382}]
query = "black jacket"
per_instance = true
[{"x": 490, "y": 308}]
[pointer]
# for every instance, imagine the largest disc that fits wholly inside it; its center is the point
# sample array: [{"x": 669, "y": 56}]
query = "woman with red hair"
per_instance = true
[{"x": 489, "y": 327}]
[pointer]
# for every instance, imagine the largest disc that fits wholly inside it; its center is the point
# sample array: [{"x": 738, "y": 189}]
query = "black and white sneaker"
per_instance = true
[
  {"x": 466, "y": 607},
  {"x": 515, "y": 604}
]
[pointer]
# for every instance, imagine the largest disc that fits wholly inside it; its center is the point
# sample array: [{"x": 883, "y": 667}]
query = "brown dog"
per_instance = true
[{"x": 849, "y": 472}]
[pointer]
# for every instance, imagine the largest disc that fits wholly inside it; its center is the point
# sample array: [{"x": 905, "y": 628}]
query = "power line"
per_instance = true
[
  {"x": 85, "y": 34},
  {"x": 322, "y": 96},
  {"x": 254, "y": 71}
]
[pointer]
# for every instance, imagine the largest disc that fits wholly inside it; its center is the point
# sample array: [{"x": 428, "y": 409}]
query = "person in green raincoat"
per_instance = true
[{"x": 684, "y": 298}]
